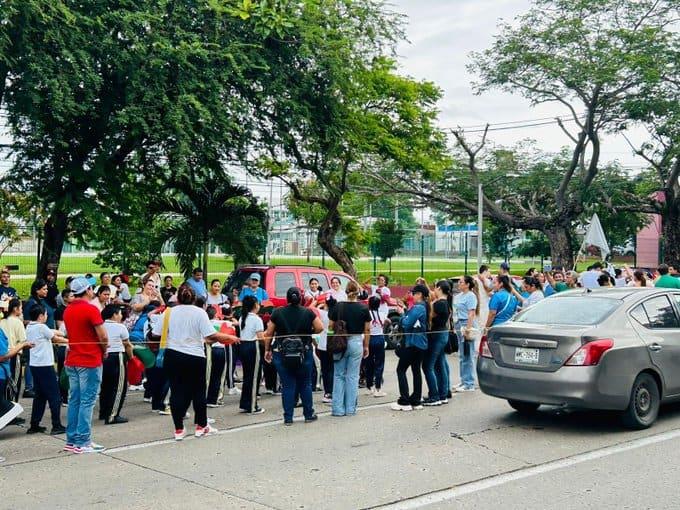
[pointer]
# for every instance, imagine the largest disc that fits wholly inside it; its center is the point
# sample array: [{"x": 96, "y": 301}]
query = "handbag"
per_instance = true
[
  {"x": 337, "y": 341},
  {"x": 160, "y": 357}
]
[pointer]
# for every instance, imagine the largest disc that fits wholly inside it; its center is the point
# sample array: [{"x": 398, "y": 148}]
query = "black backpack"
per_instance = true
[{"x": 292, "y": 347}]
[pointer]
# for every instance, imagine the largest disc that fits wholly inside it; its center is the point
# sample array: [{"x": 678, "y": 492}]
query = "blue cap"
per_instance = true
[
  {"x": 79, "y": 285},
  {"x": 255, "y": 276}
]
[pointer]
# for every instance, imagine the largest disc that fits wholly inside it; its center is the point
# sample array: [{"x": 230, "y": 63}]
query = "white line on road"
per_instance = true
[{"x": 522, "y": 473}]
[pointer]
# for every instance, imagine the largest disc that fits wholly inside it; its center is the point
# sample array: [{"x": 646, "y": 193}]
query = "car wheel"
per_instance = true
[
  {"x": 643, "y": 407},
  {"x": 525, "y": 408}
]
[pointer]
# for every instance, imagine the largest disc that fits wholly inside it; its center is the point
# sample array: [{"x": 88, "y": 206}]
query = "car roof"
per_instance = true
[
  {"x": 613, "y": 292},
  {"x": 284, "y": 266}
]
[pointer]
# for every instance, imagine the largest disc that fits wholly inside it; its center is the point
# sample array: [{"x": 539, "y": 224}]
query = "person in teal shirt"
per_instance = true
[
  {"x": 666, "y": 281},
  {"x": 503, "y": 304}
]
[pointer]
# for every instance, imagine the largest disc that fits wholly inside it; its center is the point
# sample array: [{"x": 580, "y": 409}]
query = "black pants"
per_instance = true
[
  {"x": 46, "y": 388},
  {"x": 114, "y": 386},
  {"x": 186, "y": 374},
  {"x": 326, "y": 360},
  {"x": 157, "y": 384},
  {"x": 411, "y": 357},
  {"x": 17, "y": 375},
  {"x": 218, "y": 372},
  {"x": 232, "y": 353},
  {"x": 270, "y": 376},
  {"x": 60, "y": 351},
  {"x": 250, "y": 360}
]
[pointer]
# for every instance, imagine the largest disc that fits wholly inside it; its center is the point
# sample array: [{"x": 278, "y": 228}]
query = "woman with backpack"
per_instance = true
[
  {"x": 435, "y": 367},
  {"x": 375, "y": 363},
  {"x": 291, "y": 328},
  {"x": 413, "y": 346},
  {"x": 466, "y": 303},
  {"x": 356, "y": 324}
]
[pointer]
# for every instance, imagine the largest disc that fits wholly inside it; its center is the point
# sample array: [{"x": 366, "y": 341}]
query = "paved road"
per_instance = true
[{"x": 474, "y": 453}]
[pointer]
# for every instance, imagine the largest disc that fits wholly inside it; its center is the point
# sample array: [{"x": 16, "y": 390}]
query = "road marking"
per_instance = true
[
  {"x": 233, "y": 430},
  {"x": 458, "y": 491}
]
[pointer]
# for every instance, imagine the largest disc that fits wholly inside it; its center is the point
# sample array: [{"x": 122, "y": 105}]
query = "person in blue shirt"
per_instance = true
[
  {"x": 503, "y": 304},
  {"x": 8, "y": 410},
  {"x": 415, "y": 324},
  {"x": 254, "y": 289},
  {"x": 197, "y": 283}
]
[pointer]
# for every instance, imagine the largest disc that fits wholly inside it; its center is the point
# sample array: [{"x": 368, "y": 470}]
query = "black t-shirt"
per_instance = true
[
  {"x": 440, "y": 316},
  {"x": 293, "y": 320},
  {"x": 355, "y": 315},
  {"x": 59, "y": 313}
]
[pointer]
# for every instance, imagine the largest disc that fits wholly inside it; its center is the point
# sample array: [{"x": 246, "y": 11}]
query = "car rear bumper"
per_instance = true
[{"x": 569, "y": 386}]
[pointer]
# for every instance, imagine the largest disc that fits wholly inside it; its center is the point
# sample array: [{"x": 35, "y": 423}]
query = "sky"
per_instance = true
[{"x": 442, "y": 34}]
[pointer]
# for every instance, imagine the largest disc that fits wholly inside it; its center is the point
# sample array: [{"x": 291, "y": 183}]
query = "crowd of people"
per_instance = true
[{"x": 181, "y": 344}]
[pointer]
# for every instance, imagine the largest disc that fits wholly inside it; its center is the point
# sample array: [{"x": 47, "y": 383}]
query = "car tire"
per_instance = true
[
  {"x": 644, "y": 404},
  {"x": 524, "y": 408}
]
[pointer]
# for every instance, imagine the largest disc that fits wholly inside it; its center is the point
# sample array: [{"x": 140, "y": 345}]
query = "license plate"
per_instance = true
[{"x": 528, "y": 356}]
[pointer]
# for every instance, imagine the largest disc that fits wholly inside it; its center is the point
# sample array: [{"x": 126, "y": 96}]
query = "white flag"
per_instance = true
[{"x": 595, "y": 237}]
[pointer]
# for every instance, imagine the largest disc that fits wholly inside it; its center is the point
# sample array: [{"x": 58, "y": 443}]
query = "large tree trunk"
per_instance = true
[
  {"x": 561, "y": 249},
  {"x": 327, "y": 232},
  {"x": 54, "y": 237},
  {"x": 671, "y": 229}
]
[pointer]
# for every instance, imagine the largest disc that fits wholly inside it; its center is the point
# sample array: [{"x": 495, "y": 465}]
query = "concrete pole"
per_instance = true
[{"x": 480, "y": 221}]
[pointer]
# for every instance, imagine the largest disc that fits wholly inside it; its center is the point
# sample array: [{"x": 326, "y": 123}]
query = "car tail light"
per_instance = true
[
  {"x": 590, "y": 354},
  {"x": 484, "y": 350}
]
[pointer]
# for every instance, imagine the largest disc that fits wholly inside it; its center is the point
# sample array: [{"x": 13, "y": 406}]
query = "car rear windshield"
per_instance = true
[{"x": 577, "y": 311}]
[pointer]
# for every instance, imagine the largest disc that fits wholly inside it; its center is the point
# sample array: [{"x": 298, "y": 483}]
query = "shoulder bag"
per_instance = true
[{"x": 337, "y": 342}]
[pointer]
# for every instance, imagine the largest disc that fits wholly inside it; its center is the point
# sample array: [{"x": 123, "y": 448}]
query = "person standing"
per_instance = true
[
  {"x": 484, "y": 286},
  {"x": 38, "y": 295},
  {"x": 52, "y": 289},
  {"x": 153, "y": 273},
  {"x": 187, "y": 328},
  {"x": 9, "y": 411},
  {"x": 346, "y": 365},
  {"x": 383, "y": 292},
  {"x": 665, "y": 280},
  {"x": 168, "y": 289},
  {"x": 435, "y": 366},
  {"x": 466, "y": 304},
  {"x": 252, "y": 332},
  {"x": 42, "y": 366},
  {"x": 88, "y": 343},
  {"x": 102, "y": 297},
  {"x": 7, "y": 292},
  {"x": 13, "y": 327},
  {"x": 503, "y": 304},
  {"x": 414, "y": 323},
  {"x": 254, "y": 289},
  {"x": 60, "y": 351},
  {"x": 197, "y": 283},
  {"x": 114, "y": 370},
  {"x": 375, "y": 363},
  {"x": 216, "y": 299},
  {"x": 287, "y": 323}
]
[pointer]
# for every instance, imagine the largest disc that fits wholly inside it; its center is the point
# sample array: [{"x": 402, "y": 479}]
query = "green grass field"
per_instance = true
[{"x": 404, "y": 270}]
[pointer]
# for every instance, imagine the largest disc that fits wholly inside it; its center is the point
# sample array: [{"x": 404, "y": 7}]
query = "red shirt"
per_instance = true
[{"x": 80, "y": 319}]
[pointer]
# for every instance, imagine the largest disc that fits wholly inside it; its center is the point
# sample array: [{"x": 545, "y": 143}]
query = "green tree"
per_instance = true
[
  {"x": 212, "y": 209},
  {"x": 535, "y": 245},
  {"x": 498, "y": 239},
  {"x": 336, "y": 107},
  {"x": 388, "y": 238}
]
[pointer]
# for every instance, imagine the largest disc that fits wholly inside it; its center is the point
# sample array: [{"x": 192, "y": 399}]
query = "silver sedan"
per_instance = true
[{"x": 612, "y": 349}]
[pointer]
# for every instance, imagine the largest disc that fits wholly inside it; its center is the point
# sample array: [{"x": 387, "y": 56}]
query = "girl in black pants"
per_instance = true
[
  {"x": 183, "y": 329},
  {"x": 114, "y": 374},
  {"x": 252, "y": 332}
]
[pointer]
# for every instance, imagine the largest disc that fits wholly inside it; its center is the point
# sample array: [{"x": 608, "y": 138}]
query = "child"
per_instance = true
[
  {"x": 114, "y": 372},
  {"x": 375, "y": 363},
  {"x": 216, "y": 363},
  {"x": 45, "y": 383}
]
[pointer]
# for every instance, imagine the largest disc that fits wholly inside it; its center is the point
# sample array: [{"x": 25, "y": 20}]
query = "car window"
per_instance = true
[
  {"x": 343, "y": 281},
  {"x": 577, "y": 310},
  {"x": 638, "y": 313},
  {"x": 661, "y": 313},
  {"x": 323, "y": 281},
  {"x": 283, "y": 282}
]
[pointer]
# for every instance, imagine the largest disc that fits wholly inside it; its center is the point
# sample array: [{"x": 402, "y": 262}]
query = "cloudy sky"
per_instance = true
[{"x": 441, "y": 34}]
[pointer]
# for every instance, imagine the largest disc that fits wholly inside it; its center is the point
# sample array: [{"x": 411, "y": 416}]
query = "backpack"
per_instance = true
[
  {"x": 337, "y": 342},
  {"x": 292, "y": 347}
]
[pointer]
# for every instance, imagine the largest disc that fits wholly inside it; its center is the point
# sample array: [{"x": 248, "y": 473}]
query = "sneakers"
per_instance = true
[
  {"x": 258, "y": 410},
  {"x": 464, "y": 389},
  {"x": 60, "y": 429},
  {"x": 36, "y": 429},
  {"x": 379, "y": 394},
  {"x": 165, "y": 411},
  {"x": 212, "y": 406},
  {"x": 147, "y": 399},
  {"x": 133, "y": 387},
  {"x": 208, "y": 430},
  {"x": 327, "y": 398},
  {"x": 431, "y": 402},
  {"x": 268, "y": 392},
  {"x": 68, "y": 447},
  {"x": 116, "y": 420},
  {"x": 458, "y": 387},
  {"x": 180, "y": 434},
  {"x": 12, "y": 413},
  {"x": 28, "y": 394},
  {"x": 370, "y": 392},
  {"x": 396, "y": 406},
  {"x": 418, "y": 407},
  {"x": 311, "y": 419},
  {"x": 90, "y": 448},
  {"x": 444, "y": 401},
  {"x": 234, "y": 391}
]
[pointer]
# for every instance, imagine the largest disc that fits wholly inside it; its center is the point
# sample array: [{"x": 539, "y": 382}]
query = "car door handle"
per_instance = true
[{"x": 655, "y": 347}]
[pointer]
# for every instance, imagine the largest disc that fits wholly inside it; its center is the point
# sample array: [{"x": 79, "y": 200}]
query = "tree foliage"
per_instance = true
[{"x": 388, "y": 238}]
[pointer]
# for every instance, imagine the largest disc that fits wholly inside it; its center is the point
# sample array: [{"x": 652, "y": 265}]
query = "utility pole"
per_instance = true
[
  {"x": 268, "y": 252},
  {"x": 480, "y": 221}
]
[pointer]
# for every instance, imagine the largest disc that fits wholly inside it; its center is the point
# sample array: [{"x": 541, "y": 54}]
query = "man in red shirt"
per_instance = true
[{"x": 88, "y": 341}]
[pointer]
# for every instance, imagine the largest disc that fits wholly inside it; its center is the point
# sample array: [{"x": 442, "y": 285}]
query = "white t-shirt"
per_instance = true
[
  {"x": 384, "y": 293},
  {"x": 377, "y": 320},
  {"x": 323, "y": 336},
  {"x": 117, "y": 333},
  {"x": 188, "y": 327},
  {"x": 254, "y": 325},
  {"x": 339, "y": 295},
  {"x": 42, "y": 355},
  {"x": 534, "y": 298},
  {"x": 220, "y": 299},
  {"x": 217, "y": 325}
]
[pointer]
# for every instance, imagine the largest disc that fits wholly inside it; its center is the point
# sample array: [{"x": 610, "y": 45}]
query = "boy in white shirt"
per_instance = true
[
  {"x": 45, "y": 383},
  {"x": 114, "y": 370}
]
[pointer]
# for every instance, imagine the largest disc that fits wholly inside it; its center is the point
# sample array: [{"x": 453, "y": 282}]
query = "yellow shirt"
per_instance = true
[{"x": 14, "y": 330}]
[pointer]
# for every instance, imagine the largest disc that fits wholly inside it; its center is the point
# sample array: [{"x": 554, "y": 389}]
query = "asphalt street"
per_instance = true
[{"x": 476, "y": 452}]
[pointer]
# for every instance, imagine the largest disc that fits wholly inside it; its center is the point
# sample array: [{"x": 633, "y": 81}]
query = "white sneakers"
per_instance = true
[
  {"x": 180, "y": 434},
  {"x": 396, "y": 406},
  {"x": 208, "y": 430},
  {"x": 234, "y": 391},
  {"x": 379, "y": 394}
]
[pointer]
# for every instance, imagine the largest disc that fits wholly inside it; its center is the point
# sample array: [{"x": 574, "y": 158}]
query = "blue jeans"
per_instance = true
[
  {"x": 467, "y": 362},
  {"x": 346, "y": 378},
  {"x": 83, "y": 390},
  {"x": 436, "y": 372},
  {"x": 375, "y": 363},
  {"x": 295, "y": 383}
]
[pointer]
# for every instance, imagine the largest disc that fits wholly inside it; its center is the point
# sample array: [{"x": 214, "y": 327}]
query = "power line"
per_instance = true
[{"x": 526, "y": 121}]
